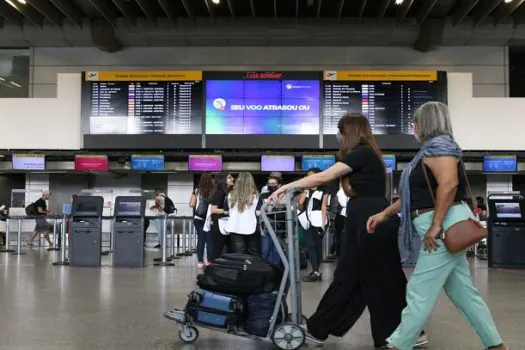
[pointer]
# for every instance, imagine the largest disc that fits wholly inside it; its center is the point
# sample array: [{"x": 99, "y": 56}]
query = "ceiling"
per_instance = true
[{"x": 114, "y": 24}]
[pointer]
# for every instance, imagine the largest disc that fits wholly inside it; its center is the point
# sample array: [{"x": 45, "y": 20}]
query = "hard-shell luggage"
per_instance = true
[
  {"x": 259, "y": 311},
  {"x": 241, "y": 274},
  {"x": 215, "y": 309}
]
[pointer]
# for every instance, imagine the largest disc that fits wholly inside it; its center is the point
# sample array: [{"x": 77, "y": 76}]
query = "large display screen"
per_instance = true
[
  {"x": 205, "y": 163},
  {"x": 29, "y": 162},
  {"x": 141, "y": 102},
  {"x": 262, "y": 103},
  {"x": 147, "y": 162},
  {"x": 320, "y": 162},
  {"x": 91, "y": 163},
  {"x": 277, "y": 163},
  {"x": 500, "y": 164},
  {"x": 387, "y": 98}
]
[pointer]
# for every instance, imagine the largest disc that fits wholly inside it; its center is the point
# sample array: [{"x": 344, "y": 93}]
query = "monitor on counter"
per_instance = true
[
  {"x": 390, "y": 161},
  {"x": 147, "y": 162},
  {"x": 277, "y": 163},
  {"x": 500, "y": 164},
  {"x": 129, "y": 209},
  {"x": 322, "y": 162},
  {"x": 29, "y": 162},
  {"x": 205, "y": 163}
]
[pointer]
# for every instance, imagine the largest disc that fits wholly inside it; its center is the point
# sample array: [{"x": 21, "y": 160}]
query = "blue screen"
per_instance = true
[
  {"x": 500, "y": 164},
  {"x": 147, "y": 163},
  {"x": 390, "y": 161},
  {"x": 66, "y": 210},
  {"x": 321, "y": 162}
]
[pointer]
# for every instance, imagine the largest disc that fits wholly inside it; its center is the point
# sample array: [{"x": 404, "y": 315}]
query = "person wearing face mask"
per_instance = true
[{"x": 269, "y": 252}]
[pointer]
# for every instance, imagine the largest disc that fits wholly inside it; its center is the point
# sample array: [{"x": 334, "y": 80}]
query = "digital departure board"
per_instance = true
[{"x": 387, "y": 98}]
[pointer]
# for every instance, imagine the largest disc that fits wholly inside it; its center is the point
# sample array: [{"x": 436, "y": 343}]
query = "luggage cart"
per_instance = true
[{"x": 288, "y": 334}]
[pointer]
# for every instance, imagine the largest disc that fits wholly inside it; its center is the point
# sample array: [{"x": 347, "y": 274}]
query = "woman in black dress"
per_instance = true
[
  {"x": 369, "y": 272},
  {"x": 219, "y": 210}
]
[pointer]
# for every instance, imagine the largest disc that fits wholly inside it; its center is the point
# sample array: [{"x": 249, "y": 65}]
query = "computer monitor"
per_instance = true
[{"x": 129, "y": 209}]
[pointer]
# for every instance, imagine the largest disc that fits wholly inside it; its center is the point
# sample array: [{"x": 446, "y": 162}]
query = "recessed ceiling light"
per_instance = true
[
  {"x": 508, "y": 1},
  {"x": 15, "y": 84},
  {"x": 399, "y": 2},
  {"x": 216, "y": 2},
  {"x": 23, "y": 2}
]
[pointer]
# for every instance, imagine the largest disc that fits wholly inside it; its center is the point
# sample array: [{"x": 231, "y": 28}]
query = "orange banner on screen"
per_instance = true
[
  {"x": 382, "y": 75},
  {"x": 173, "y": 75}
]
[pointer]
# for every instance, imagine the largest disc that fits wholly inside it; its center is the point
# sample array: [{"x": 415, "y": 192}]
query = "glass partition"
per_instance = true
[{"x": 14, "y": 73}]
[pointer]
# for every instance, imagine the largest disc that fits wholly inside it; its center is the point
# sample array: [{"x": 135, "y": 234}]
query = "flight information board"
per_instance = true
[
  {"x": 262, "y": 103},
  {"x": 387, "y": 98},
  {"x": 142, "y": 102}
]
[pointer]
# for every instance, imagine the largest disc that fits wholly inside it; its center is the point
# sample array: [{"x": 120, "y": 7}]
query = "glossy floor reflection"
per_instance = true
[{"x": 48, "y": 307}]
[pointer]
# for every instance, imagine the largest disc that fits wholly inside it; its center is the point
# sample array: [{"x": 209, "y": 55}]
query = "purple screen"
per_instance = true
[
  {"x": 277, "y": 163},
  {"x": 262, "y": 107},
  {"x": 205, "y": 163}
]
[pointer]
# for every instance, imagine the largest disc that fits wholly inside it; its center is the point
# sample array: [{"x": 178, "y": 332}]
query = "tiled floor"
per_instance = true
[{"x": 48, "y": 307}]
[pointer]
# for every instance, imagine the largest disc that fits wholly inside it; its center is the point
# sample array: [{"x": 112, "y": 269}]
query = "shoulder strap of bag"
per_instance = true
[{"x": 469, "y": 189}]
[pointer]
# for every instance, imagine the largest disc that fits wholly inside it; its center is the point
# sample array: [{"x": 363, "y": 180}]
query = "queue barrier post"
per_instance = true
[
  {"x": 19, "y": 239},
  {"x": 6, "y": 247},
  {"x": 192, "y": 245},
  {"x": 55, "y": 236},
  {"x": 164, "y": 260},
  {"x": 63, "y": 259},
  {"x": 172, "y": 246}
]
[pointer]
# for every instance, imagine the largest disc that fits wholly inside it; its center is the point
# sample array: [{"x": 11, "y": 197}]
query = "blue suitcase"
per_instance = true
[{"x": 215, "y": 309}]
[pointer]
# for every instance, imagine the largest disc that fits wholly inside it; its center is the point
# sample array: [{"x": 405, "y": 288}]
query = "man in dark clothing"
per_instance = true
[{"x": 42, "y": 226}]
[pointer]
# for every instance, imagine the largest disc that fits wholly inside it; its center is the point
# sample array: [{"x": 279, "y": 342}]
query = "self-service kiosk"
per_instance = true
[
  {"x": 506, "y": 226},
  {"x": 128, "y": 234},
  {"x": 86, "y": 231}
]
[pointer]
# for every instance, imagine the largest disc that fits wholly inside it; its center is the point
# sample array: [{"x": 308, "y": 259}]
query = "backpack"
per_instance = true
[
  {"x": 202, "y": 206},
  {"x": 169, "y": 207},
  {"x": 31, "y": 210}
]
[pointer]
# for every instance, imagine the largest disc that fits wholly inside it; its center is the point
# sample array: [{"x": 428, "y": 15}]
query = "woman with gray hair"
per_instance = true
[{"x": 424, "y": 219}]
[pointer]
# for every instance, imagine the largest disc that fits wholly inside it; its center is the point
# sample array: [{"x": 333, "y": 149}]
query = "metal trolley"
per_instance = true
[{"x": 287, "y": 334}]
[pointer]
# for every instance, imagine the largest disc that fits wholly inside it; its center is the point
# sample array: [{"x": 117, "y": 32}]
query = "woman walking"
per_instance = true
[
  {"x": 369, "y": 272},
  {"x": 423, "y": 218},
  {"x": 200, "y": 201}
]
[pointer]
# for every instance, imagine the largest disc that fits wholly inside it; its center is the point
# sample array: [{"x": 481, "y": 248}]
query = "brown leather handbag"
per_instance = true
[{"x": 463, "y": 234}]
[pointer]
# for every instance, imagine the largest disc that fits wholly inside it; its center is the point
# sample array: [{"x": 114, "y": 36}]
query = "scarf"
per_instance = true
[{"x": 439, "y": 146}]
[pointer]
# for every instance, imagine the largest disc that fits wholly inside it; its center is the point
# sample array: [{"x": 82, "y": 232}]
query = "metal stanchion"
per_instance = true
[
  {"x": 63, "y": 260},
  {"x": 19, "y": 239},
  {"x": 55, "y": 240},
  {"x": 193, "y": 245},
  {"x": 172, "y": 254},
  {"x": 164, "y": 261},
  {"x": 6, "y": 247}
]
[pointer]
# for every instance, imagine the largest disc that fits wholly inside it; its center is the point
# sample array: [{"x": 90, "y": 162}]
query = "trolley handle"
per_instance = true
[{"x": 288, "y": 201}]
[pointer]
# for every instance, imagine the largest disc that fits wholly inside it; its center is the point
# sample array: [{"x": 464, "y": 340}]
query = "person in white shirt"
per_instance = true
[
  {"x": 160, "y": 199},
  {"x": 342, "y": 201},
  {"x": 242, "y": 223}
]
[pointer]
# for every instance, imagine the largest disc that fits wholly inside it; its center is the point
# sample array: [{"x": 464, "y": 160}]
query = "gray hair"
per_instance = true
[{"x": 433, "y": 119}]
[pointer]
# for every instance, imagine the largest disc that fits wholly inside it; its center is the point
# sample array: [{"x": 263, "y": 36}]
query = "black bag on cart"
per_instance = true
[
  {"x": 241, "y": 274},
  {"x": 259, "y": 311}
]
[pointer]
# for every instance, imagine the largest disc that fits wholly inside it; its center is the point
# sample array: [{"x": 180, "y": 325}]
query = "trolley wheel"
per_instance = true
[
  {"x": 288, "y": 336},
  {"x": 189, "y": 334}
]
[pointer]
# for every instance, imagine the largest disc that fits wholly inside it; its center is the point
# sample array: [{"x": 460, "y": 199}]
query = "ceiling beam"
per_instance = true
[
  {"x": 319, "y": 5},
  {"x": 382, "y": 10},
  {"x": 430, "y": 35},
  {"x": 69, "y": 10},
  {"x": 169, "y": 10},
  {"x": 484, "y": 9},
  {"x": 30, "y": 13},
  {"x": 47, "y": 10},
  {"x": 426, "y": 8},
  {"x": 274, "y": 8},
  {"x": 463, "y": 9},
  {"x": 11, "y": 14},
  {"x": 210, "y": 11},
  {"x": 105, "y": 10},
  {"x": 402, "y": 10},
  {"x": 145, "y": 6},
  {"x": 519, "y": 16},
  {"x": 362, "y": 6},
  {"x": 189, "y": 10},
  {"x": 128, "y": 10},
  {"x": 252, "y": 6},
  {"x": 231, "y": 7},
  {"x": 504, "y": 11}
]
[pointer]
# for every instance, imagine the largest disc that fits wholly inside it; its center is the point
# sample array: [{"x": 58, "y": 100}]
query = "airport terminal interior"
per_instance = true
[{"x": 118, "y": 115}]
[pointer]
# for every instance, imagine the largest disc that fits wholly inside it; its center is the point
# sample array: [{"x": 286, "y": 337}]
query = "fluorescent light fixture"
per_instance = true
[
  {"x": 15, "y": 84},
  {"x": 23, "y": 2},
  {"x": 2, "y": 79},
  {"x": 216, "y": 2},
  {"x": 11, "y": 3},
  {"x": 399, "y": 2},
  {"x": 508, "y": 1}
]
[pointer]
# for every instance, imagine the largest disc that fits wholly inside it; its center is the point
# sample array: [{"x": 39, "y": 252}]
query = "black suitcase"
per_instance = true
[{"x": 241, "y": 274}]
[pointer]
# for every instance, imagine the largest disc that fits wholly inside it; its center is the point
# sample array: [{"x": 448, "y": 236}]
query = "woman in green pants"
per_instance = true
[{"x": 421, "y": 218}]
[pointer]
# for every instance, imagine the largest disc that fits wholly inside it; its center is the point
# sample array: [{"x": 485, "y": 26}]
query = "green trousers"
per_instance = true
[{"x": 437, "y": 270}]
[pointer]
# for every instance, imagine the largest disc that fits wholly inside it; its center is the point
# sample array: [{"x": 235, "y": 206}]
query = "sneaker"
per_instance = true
[
  {"x": 310, "y": 339},
  {"x": 313, "y": 277},
  {"x": 200, "y": 266},
  {"x": 421, "y": 340}
]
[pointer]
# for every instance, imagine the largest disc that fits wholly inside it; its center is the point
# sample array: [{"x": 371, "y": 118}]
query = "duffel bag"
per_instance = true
[
  {"x": 215, "y": 309},
  {"x": 259, "y": 311},
  {"x": 241, "y": 274}
]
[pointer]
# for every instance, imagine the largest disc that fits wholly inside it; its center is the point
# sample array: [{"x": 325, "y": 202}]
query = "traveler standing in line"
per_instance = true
[
  {"x": 315, "y": 202},
  {"x": 422, "y": 219},
  {"x": 245, "y": 238},
  {"x": 160, "y": 200},
  {"x": 369, "y": 272},
  {"x": 41, "y": 226},
  {"x": 219, "y": 211},
  {"x": 268, "y": 249},
  {"x": 200, "y": 201}
]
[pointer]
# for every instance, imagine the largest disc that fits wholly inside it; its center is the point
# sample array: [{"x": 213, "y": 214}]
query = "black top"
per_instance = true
[
  {"x": 219, "y": 198},
  {"x": 262, "y": 198},
  {"x": 40, "y": 203},
  {"x": 368, "y": 176},
  {"x": 420, "y": 197},
  {"x": 321, "y": 188}
]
